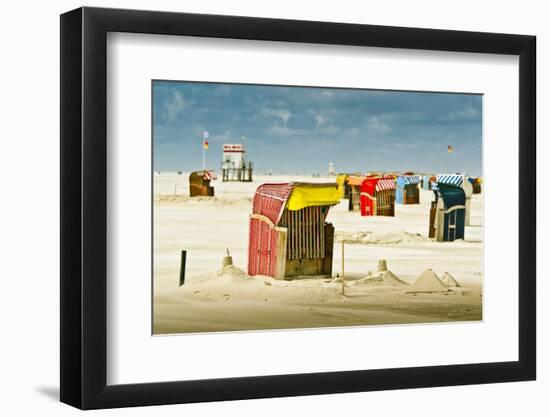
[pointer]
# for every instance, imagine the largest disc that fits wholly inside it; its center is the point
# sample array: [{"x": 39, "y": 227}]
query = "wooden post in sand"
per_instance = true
[
  {"x": 343, "y": 279},
  {"x": 182, "y": 267}
]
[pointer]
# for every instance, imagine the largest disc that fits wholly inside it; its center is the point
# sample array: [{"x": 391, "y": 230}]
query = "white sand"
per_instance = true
[
  {"x": 449, "y": 281},
  {"x": 381, "y": 279},
  {"x": 427, "y": 282},
  {"x": 205, "y": 227}
]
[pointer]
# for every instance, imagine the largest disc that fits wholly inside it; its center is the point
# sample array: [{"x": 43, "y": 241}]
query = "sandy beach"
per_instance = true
[{"x": 225, "y": 299}]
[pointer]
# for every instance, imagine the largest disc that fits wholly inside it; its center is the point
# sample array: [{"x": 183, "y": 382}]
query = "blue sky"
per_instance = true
[{"x": 302, "y": 129}]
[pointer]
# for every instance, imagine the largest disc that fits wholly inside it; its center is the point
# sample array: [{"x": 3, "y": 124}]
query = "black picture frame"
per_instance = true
[{"x": 84, "y": 207}]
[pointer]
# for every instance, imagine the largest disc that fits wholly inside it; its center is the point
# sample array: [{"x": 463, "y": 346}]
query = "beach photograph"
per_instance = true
[{"x": 293, "y": 207}]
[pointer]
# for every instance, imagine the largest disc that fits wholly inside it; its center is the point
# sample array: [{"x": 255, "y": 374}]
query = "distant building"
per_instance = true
[{"x": 235, "y": 166}]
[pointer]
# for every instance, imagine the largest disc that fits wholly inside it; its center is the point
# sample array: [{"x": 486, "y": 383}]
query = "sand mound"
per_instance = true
[
  {"x": 229, "y": 274},
  {"x": 231, "y": 271},
  {"x": 232, "y": 283},
  {"x": 366, "y": 238},
  {"x": 381, "y": 279},
  {"x": 449, "y": 281},
  {"x": 427, "y": 281},
  {"x": 185, "y": 199},
  {"x": 352, "y": 237}
]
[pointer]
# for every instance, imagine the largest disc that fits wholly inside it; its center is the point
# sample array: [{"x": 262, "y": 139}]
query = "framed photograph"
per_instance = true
[{"x": 257, "y": 208}]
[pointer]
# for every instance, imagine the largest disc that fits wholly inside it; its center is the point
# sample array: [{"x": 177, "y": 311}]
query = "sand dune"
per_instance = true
[{"x": 380, "y": 238}]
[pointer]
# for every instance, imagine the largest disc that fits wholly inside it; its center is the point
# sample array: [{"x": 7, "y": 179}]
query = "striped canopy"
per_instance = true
[
  {"x": 270, "y": 200},
  {"x": 408, "y": 179},
  {"x": 209, "y": 175},
  {"x": 452, "y": 179},
  {"x": 385, "y": 184}
]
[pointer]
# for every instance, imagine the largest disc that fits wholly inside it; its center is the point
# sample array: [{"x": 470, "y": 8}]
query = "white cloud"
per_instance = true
[
  {"x": 320, "y": 120},
  {"x": 225, "y": 137},
  {"x": 467, "y": 113},
  {"x": 327, "y": 132},
  {"x": 376, "y": 126},
  {"x": 284, "y": 131},
  {"x": 173, "y": 105},
  {"x": 283, "y": 114}
]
